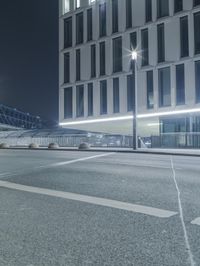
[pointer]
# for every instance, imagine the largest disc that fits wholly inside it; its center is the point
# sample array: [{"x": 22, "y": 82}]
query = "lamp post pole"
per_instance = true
[{"x": 134, "y": 72}]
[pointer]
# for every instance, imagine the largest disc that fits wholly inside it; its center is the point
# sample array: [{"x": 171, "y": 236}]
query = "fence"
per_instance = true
[
  {"x": 176, "y": 140},
  {"x": 95, "y": 140},
  {"x": 169, "y": 140}
]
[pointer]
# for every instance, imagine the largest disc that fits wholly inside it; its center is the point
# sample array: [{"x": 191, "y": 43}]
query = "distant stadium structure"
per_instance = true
[{"x": 11, "y": 118}]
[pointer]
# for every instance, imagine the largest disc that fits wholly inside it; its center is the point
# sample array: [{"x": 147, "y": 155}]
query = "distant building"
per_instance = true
[
  {"x": 96, "y": 80},
  {"x": 11, "y": 118}
]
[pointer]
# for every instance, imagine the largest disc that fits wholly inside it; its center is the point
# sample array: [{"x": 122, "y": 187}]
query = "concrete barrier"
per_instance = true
[
  {"x": 53, "y": 146},
  {"x": 84, "y": 146}
]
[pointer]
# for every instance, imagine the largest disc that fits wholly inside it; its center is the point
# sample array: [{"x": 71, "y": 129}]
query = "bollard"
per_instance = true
[
  {"x": 84, "y": 146},
  {"x": 33, "y": 146},
  {"x": 4, "y": 146},
  {"x": 53, "y": 146}
]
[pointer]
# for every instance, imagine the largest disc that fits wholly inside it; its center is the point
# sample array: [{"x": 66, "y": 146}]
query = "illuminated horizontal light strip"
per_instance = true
[
  {"x": 128, "y": 117},
  {"x": 98, "y": 120},
  {"x": 153, "y": 124},
  {"x": 178, "y": 112}
]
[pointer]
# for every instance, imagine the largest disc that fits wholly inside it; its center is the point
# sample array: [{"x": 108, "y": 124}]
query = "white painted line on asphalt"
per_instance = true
[
  {"x": 187, "y": 243},
  {"x": 8, "y": 175},
  {"x": 196, "y": 221},
  {"x": 77, "y": 160},
  {"x": 3, "y": 174},
  {"x": 91, "y": 200}
]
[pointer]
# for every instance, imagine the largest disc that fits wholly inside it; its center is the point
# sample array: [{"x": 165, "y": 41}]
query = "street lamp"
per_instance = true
[{"x": 134, "y": 56}]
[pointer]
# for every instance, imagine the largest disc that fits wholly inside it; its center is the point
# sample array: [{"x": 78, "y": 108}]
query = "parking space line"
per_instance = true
[
  {"x": 77, "y": 160},
  {"x": 3, "y": 174},
  {"x": 8, "y": 175},
  {"x": 91, "y": 200},
  {"x": 196, "y": 221}
]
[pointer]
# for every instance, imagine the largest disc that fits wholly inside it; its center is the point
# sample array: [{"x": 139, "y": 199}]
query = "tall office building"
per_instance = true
[{"x": 96, "y": 83}]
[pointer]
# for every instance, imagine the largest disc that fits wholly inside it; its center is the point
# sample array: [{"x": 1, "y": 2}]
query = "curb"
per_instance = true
[{"x": 108, "y": 150}]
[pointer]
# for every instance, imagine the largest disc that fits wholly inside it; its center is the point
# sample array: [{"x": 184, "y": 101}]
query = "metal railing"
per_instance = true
[
  {"x": 95, "y": 140},
  {"x": 176, "y": 140},
  {"x": 167, "y": 140}
]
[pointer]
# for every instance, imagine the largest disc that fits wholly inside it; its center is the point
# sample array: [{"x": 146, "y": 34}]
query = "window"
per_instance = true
[
  {"x": 196, "y": 2},
  {"x": 178, "y": 5},
  {"x": 116, "y": 95},
  {"x": 145, "y": 47},
  {"x": 66, "y": 6},
  {"x": 102, "y": 59},
  {"x": 150, "y": 93},
  {"x": 80, "y": 101},
  {"x": 68, "y": 32},
  {"x": 91, "y": 2},
  {"x": 89, "y": 24},
  {"x": 133, "y": 41},
  {"x": 114, "y": 16},
  {"x": 162, "y": 8},
  {"x": 103, "y": 97},
  {"x": 161, "y": 42},
  {"x": 148, "y": 10},
  {"x": 66, "y": 67},
  {"x": 197, "y": 32},
  {"x": 172, "y": 125},
  {"x": 79, "y": 28},
  {"x": 78, "y": 3},
  {"x": 196, "y": 124},
  {"x": 78, "y": 65},
  {"x": 130, "y": 92},
  {"x": 180, "y": 84},
  {"x": 90, "y": 99},
  {"x": 164, "y": 87},
  {"x": 128, "y": 14},
  {"x": 197, "y": 80},
  {"x": 102, "y": 20},
  {"x": 93, "y": 61},
  {"x": 184, "y": 40},
  {"x": 117, "y": 54},
  {"x": 68, "y": 103}
]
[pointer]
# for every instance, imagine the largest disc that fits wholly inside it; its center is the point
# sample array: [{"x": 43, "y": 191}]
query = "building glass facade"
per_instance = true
[{"x": 97, "y": 38}]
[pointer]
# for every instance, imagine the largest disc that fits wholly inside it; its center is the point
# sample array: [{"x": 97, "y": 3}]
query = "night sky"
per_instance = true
[{"x": 29, "y": 57}]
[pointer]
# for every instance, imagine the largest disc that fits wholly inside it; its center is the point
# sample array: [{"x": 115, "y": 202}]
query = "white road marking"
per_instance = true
[
  {"x": 91, "y": 200},
  {"x": 196, "y": 221},
  {"x": 4, "y": 174},
  {"x": 191, "y": 257},
  {"x": 77, "y": 160},
  {"x": 58, "y": 164}
]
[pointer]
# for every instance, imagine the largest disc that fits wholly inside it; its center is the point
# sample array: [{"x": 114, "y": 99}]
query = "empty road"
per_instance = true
[{"x": 93, "y": 208}]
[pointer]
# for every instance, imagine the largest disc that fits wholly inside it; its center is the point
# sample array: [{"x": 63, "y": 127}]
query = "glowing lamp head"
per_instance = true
[{"x": 134, "y": 55}]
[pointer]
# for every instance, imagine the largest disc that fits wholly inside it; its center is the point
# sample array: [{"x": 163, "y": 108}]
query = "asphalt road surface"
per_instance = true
[{"x": 92, "y": 208}]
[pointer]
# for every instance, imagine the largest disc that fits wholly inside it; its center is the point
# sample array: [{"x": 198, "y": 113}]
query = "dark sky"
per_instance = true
[{"x": 29, "y": 57}]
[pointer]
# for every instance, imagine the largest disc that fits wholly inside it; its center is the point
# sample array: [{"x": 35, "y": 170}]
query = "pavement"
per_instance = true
[{"x": 102, "y": 208}]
